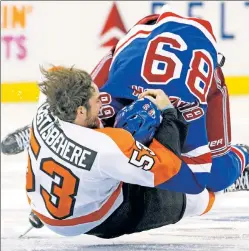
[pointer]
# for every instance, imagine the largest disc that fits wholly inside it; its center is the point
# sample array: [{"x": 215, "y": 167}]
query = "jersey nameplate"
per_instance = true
[{"x": 64, "y": 147}]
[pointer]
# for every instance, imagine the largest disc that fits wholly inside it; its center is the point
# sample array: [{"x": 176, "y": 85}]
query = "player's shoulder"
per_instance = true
[
  {"x": 122, "y": 138},
  {"x": 170, "y": 15},
  {"x": 173, "y": 25}
]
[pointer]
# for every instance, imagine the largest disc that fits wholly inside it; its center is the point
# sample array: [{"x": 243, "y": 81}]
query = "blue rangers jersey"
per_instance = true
[{"x": 178, "y": 55}]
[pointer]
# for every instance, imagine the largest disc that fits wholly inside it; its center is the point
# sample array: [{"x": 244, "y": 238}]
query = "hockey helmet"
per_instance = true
[{"x": 141, "y": 119}]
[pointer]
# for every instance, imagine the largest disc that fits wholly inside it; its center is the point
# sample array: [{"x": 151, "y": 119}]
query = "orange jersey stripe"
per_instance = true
[
  {"x": 34, "y": 143},
  {"x": 29, "y": 200},
  {"x": 210, "y": 203},
  {"x": 170, "y": 166},
  {"x": 167, "y": 164},
  {"x": 30, "y": 177},
  {"x": 121, "y": 137},
  {"x": 94, "y": 216}
]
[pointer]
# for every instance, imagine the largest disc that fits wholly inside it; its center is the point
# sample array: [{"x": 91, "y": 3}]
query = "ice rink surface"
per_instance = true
[{"x": 225, "y": 228}]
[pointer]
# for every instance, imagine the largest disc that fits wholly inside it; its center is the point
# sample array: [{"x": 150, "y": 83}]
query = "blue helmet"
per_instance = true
[{"x": 141, "y": 119}]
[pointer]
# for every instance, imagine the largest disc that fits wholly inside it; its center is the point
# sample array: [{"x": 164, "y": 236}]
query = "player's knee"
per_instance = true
[{"x": 199, "y": 204}]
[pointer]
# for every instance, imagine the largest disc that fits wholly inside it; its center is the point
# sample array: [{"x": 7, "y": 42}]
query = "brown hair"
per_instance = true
[{"x": 66, "y": 89}]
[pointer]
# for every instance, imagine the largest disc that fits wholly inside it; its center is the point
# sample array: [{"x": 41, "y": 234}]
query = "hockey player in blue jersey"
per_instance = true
[{"x": 179, "y": 56}]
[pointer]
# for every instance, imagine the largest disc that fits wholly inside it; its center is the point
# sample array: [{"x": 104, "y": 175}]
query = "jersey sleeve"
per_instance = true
[
  {"x": 219, "y": 133},
  {"x": 196, "y": 153},
  {"x": 100, "y": 72},
  {"x": 227, "y": 161},
  {"x": 127, "y": 160},
  {"x": 227, "y": 168}
]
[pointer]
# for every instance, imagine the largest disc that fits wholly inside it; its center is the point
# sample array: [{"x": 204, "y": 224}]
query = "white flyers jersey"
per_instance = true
[{"x": 75, "y": 174}]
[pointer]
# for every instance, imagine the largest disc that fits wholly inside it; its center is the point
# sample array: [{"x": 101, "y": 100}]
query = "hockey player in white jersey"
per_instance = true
[{"x": 100, "y": 181}]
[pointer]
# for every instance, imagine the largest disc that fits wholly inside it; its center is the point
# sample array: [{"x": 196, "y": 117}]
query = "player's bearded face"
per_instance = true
[{"x": 92, "y": 120}]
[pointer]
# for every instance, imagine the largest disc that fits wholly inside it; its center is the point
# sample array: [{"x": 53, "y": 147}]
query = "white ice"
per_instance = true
[{"x": 225, "y": 228}]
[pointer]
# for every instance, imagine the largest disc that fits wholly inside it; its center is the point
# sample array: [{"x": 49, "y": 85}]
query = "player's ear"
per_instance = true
[
  {"x": 81, "y": 115},
  {"x": 81, "y": 111}
]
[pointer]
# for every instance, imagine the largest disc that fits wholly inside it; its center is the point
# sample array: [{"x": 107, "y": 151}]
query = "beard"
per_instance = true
[{"x": 92, "y": 122}]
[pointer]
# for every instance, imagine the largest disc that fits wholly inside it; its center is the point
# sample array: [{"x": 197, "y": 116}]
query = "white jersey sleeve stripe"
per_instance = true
[{"x": 197, "y": 152}]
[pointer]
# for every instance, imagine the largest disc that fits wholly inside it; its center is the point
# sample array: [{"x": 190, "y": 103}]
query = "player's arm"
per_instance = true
[
  {"x": 197, "y": 160},
  {"x": 100, "y": 72},
  {"x": 228, "y": 161},
  {"x": 209, "y": 153},
  {"x": 129, "y": 161}
]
